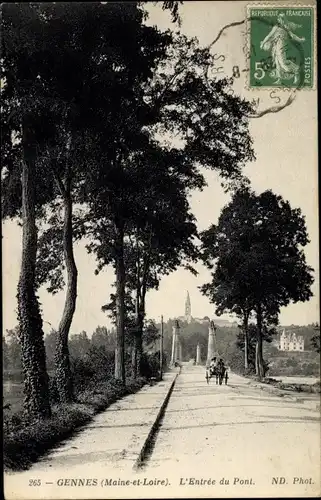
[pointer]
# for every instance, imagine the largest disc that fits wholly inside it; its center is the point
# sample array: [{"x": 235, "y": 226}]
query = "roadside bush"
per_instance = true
[
  {"x": 292, "y": 362},
  {"x": 102, "y": 394},
  {"x": 24, "y": 446},
  {"x": 25, "y": 441},
  {"x": 82, "y": 373},
  {"x": 94, "y": 388},
  {"x": 101, "y": 361},
  {"x": 135, "y": 385},
  {"x": 13, "y": 421},
  {"x": 151, "y": 365},
  {"x": 96, "y": 365},
  {"x": 312, "y": 369},
  {"x": 146, "y": 370},
  {"x": 236, "y": 361},
  {"x": 292, "y": 367}
]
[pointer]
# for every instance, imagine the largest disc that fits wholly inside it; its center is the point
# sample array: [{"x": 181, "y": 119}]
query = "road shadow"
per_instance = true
[
  {"x": 240, "y": 406},
  {"x": 197, "y": 394},
  {"x": 113, "y": 426},
  {"x": 294, "y": 419},
  {"x": 71, "y": 460},
  {"x": 271, "y": 398},
  {"x": 140, "y": 408},
  {"x": 278, "y": 420}
]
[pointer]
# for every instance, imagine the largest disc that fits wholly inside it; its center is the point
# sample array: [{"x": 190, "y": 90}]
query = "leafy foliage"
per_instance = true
[
  {"x": 267, "y": 336},
  {"x": 100, "y": 108},
  {"x": 257, "y": 250},
  {"x": 258, "y": 245},
  {"x": 315, "y": 340}
]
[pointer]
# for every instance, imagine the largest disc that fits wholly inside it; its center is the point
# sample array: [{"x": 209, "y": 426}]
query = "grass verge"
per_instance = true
[
  {"x": 24, "y": 442},
  {"x": 310, "y": 388},
  {"x": 285, "y": 386}
]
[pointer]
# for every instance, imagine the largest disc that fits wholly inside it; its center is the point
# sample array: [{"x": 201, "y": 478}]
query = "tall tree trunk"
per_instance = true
[
  {"x": 246, "y": 340},
  {"x": 257, "y": 356},
  {"x": 246, "y": 349},
  {"x": 137, "y": 309},
  {"x": 120, "y": 304},
  {"x": 36, "y": 381},
  {"x": 141, "y": 311},
  {"x": 137, "y": 351},
  {"x": 134, "y": 356},
  {"x": 259, "y": 344},
  {"x": 139, "y": 343},
  {"x": 62, "y": 360}
]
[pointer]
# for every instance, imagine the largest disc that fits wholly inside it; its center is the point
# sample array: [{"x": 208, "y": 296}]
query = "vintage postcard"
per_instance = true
[{"x": 160, "y": 238}]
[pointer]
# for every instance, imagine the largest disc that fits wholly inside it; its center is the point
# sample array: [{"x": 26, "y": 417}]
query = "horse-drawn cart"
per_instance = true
[{"x": 219, "y": 372}]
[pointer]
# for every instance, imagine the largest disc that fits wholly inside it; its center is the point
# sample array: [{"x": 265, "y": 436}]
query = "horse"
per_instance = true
[{"x": 220, "y": 372}]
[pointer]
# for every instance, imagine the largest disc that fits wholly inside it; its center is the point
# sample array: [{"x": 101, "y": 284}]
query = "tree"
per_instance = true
[
  {"x": 163, "y": 239},
  {"x": 22, "y": 133},
  {"x": 267, "y": 336},
  {"x": 315, "y": 340},
  {"x": 103, "y": 337},
  {"x": 257, "y": 249},
  {"x": 182, "y": 102},
  {"x": 140, "y": 97},
  {"x": 74, "y": 60},
  {"x": 154, "y": 245},
  {"x": 110, "y": 65},
  {"x": 31, "y": 107},
  {"x": 229, "y": 296},
  {"x": 173, "y": 7},
  {"x": 79, "y": 345},
  {"x": 129, "y": 319},
  {"x": 101, "y": 65}
]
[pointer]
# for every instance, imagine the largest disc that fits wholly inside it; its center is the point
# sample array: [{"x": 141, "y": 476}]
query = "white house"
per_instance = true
[{"x": 291, "y": 342}]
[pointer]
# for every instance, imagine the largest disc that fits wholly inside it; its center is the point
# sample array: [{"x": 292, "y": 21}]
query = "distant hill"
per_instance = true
[
  {"x": 195, "y": 333},
  {"x": 224, "y": 322},
  {"x": 206, "y": 320}
]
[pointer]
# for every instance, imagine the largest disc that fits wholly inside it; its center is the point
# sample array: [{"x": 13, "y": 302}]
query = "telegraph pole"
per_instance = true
[{"x": 161, "y": 349}]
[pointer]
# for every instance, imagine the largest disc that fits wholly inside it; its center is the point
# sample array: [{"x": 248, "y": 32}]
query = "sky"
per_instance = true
[{"x": 285, "y": 145}]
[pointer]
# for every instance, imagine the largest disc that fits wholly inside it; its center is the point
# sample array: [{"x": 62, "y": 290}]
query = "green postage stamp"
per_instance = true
[{"x": 281, "y": 46}]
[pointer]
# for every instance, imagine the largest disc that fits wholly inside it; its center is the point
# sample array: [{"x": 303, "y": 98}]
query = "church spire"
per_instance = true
[{"x": 188, "y": 309}]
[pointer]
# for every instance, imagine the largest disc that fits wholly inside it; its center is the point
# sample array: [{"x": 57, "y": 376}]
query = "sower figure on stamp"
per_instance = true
[{"x": 276, "y": 42}]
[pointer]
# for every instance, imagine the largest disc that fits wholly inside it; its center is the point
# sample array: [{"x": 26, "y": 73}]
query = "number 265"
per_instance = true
[{"x": 34, "y": 482}]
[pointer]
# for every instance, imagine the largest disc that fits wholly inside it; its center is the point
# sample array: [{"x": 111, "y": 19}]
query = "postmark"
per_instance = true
[
  {"x": 271, "y": 100},
  {"x": 281, "y": 43},
  {"x": 266, "y": 99}
]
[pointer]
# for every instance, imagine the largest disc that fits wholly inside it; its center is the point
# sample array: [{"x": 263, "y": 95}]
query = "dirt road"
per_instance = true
[
  {"x": 214, "y": 441},
  {"x": 240, "y": 436}
]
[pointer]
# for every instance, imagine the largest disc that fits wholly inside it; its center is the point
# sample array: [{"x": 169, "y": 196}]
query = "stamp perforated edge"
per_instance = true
[{"x": 267, "y": 5}]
